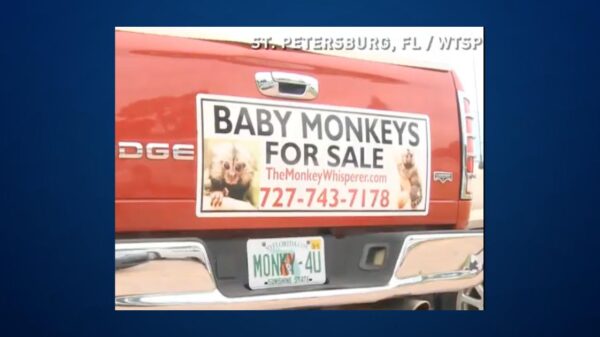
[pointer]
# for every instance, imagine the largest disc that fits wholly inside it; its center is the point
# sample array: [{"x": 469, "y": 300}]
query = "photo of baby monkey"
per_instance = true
[
  {"x": 410, "y": 182},
  {"x": 229, "y": 171}
]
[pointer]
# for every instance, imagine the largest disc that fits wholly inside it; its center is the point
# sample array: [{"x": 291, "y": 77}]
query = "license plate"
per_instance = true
[{"x": 286, "y": 262}]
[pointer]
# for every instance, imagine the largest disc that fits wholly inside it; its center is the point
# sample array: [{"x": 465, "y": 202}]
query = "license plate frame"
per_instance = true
[{"x": 286, "y": 262}]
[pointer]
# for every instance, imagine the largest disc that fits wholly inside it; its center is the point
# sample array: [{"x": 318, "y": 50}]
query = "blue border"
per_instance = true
[{"x": 57, "y": 142}]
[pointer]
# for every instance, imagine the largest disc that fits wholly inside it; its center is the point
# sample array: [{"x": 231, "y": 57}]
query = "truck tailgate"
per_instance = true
[{"x": 160, "y": 84}]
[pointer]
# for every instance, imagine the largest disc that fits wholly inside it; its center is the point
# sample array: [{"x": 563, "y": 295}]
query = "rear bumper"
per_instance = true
[{"x": 179, "y": 275}]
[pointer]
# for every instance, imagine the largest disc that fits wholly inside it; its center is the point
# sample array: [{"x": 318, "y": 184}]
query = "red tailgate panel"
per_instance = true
[{"x": 158, "y": 78}]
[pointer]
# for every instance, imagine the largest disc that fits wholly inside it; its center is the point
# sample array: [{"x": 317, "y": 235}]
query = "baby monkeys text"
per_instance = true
[{"x": 355, "y": 129}]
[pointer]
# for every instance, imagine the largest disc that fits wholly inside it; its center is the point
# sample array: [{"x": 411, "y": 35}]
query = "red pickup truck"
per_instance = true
[{"x": 278, "y": 178}]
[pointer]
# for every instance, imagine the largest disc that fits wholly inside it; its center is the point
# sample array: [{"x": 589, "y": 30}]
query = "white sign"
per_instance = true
[{"x": 277, "y": 158}]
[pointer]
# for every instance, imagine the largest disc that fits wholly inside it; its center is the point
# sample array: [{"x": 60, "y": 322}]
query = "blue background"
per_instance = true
[{"x": 57, "y": 138}]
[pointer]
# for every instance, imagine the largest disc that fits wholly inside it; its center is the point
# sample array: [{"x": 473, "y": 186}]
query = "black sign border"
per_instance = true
[{"x": 201, "y": 178}]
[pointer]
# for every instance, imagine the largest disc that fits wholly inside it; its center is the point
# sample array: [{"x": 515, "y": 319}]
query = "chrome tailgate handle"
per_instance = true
[{"x": 287, "y": 85}]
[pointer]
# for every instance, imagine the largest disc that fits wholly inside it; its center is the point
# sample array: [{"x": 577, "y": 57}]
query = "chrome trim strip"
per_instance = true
[
  {"x": 461, "y": 96},
  {"x": 470, "y": 274}
]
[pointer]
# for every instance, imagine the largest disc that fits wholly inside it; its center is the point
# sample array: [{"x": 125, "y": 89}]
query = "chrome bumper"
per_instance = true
[{"x": 179, "y": 276}]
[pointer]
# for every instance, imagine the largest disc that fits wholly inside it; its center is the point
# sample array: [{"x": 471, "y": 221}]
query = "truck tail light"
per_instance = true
[{"x": 467, "y": 144}]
